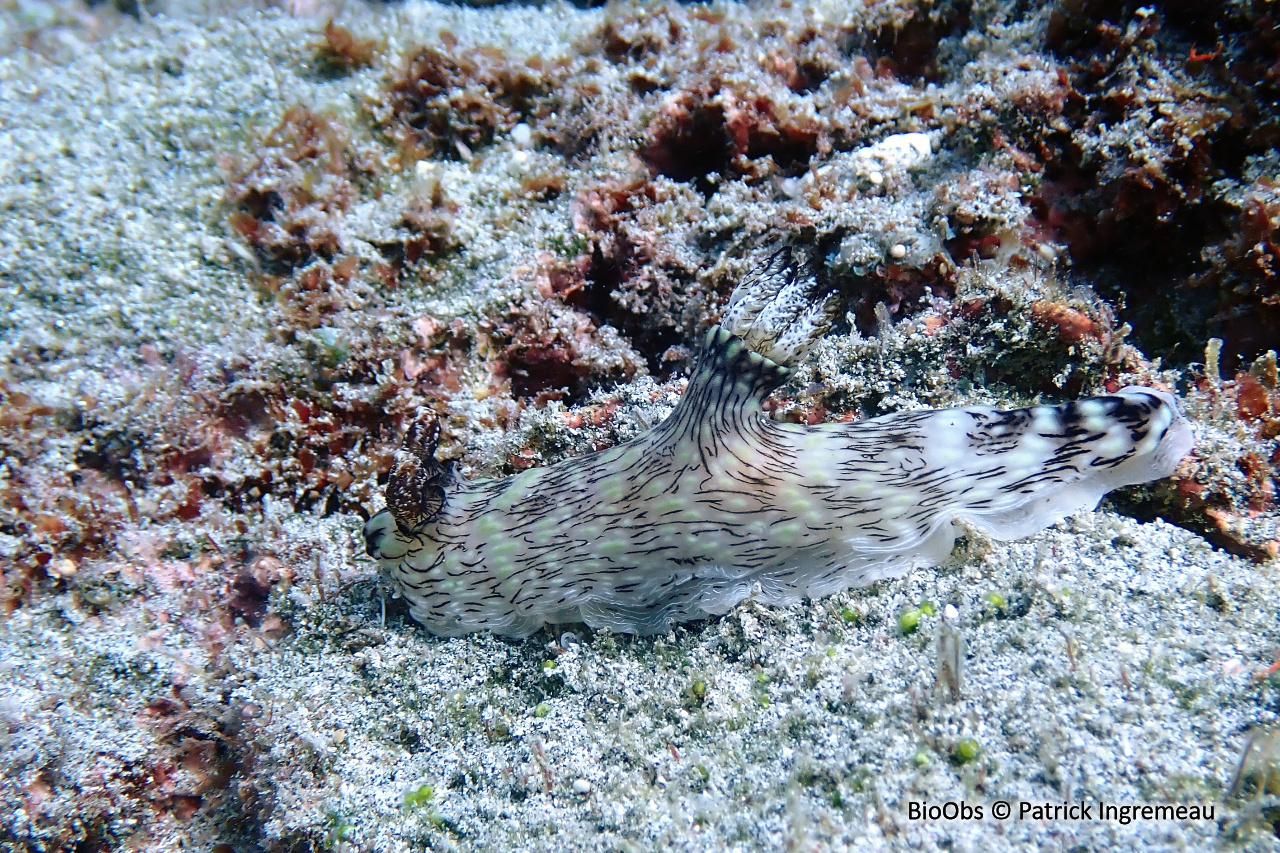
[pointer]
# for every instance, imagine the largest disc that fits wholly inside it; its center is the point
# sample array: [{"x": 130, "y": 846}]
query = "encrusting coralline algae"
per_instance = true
[{"x": 718, "y": 503}]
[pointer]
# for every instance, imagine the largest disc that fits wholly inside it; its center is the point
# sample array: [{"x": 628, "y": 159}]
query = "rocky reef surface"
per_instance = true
[{"x": 240, "y": 248}]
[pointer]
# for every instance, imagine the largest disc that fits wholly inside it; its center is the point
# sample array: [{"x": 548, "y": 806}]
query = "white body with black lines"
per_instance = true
[{"x": 718, "y": 502}]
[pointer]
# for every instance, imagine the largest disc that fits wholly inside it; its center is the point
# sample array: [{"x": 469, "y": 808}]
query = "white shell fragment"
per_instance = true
[{"x": 898, "y": 152}]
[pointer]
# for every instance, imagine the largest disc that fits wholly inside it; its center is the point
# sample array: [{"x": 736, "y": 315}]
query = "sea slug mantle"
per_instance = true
[{"x": 718, "y": 502}]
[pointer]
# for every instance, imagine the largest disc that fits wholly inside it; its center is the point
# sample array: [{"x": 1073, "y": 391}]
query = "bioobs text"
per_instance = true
[{"x": 949, "y": 810}]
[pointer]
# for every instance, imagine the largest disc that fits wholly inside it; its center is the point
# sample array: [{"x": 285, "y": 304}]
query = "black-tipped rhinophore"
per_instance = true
[{"x": 416, "y": 487}]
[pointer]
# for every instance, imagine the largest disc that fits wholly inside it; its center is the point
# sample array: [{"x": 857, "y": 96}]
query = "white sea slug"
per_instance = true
[{"x": 718, "y": 502}]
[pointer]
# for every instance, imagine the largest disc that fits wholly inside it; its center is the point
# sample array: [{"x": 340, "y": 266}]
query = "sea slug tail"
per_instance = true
[
  {"x": 905, "y": 480},
  {"x": 1026, "y": 469},
  {"x": 778, "y": 309}
]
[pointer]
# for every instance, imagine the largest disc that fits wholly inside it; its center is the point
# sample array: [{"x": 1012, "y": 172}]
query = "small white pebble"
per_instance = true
[
  {"x": 900, "y": 151},
  {"x": 519, "y": 161},
  {"x": 581, "y": 786},
  {"x": 950, "y": 613},
  {"x": 423, "y": 168},
  {"x": 898, "y": 251},
  {"x": 521, "y": 134}
]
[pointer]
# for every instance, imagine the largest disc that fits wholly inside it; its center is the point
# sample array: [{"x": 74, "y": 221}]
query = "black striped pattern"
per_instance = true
[{"x": 718, "y": 502}]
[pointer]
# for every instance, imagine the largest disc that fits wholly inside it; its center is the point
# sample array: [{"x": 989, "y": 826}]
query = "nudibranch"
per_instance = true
[{"x": 719, "y": 502}]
